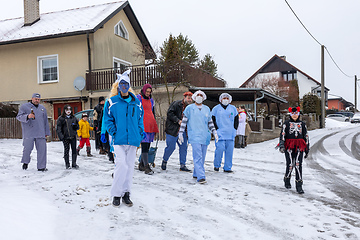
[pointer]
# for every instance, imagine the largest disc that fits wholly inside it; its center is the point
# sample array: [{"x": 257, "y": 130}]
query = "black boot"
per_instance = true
[
  {"x": 78, "y": 151},
  {"x": 67, "y": 162},
  {"x": 141, "y": 166},
  {"x": 25, "y": 166},
  {"x": 148, "y": 170},
  {"x": 111, "y": 157},
  {"x": 287, "y": 182},
  {"x": 88, "y": 151},
  {"x": 163, "y": 165},
  {"x": 73, "y": 163},
  {"x": 116, "y": 201},
  {"x": 299, "y": 186},
  {"x": 237, "y": 141},
  {"x": 126, "y": 199}
]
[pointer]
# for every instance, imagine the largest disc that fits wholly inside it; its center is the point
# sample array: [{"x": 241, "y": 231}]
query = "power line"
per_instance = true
[
  {"x": 336, "y": 63},
  {"x": 302, "y": 23},
  {"x": 317, "y": 41}
]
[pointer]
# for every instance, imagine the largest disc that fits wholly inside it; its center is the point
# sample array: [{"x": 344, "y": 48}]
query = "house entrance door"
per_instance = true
[{"x": 58, "y": 108}]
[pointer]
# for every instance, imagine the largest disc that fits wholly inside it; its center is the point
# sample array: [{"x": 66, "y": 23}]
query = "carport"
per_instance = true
[{"x": 254, "y": 95}]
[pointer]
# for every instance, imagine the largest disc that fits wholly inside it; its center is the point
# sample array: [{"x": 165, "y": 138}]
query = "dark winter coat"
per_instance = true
[
  {"x": 98, "y": 116},
  {"x": 294, "y": 135},
  {"x": 174, "y": 115},
  {"x": 66, "y": 127}
]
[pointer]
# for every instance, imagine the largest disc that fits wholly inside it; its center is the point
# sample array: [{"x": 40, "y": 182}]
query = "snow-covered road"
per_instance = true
[{"x": 250, "y": 203}]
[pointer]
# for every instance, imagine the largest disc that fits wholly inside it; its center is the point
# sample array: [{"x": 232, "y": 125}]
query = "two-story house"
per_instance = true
[
  {"x": 278, "y": 68},
  {"x": 46, "y": 53}
]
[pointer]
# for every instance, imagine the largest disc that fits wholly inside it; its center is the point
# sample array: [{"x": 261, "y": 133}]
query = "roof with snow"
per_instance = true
[{"x": 70, "y": 22}]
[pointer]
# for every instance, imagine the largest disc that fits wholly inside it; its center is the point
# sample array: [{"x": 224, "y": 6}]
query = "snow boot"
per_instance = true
[
  {"x": 102, "y": 151},
  {"x": 141, "y": 166},
  {"x": 126, "y": 199},
  {"x": 116, "y": 201},
  {"x": 163, "y": 165},
  {"x": 148, "y": 170},
  {"x": 78, "y": 151},
  {"x": 88, "y": 151},
  {"x": 287, "y": 182},
  {"x": 299, "y": 186},
  {"x": 25, "y": 166},
  {"x": 183, "y": 168},
  {"x": 216, "y": 169},
  {"x": 111, "y": 157},
  {"x": 237, "y": 141}
]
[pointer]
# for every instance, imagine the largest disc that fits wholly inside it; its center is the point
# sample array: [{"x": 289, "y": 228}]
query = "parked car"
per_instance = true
[
  {"x": 338, "y": 117},
  {"x": 347, "y": 114},
  {"x": 90, "y": 113},
  {"x": 355, "y": 118}
]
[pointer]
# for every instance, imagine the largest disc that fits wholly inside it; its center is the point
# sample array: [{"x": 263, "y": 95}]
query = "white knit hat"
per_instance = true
[
  {"x": 225, "y": 95},
  {"x": 124, "y": 77},
  {"x": 199, "y": 92}
]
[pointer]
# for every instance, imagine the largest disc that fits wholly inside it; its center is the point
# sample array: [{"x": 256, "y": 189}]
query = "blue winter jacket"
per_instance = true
[{"x": 124, "y": 121}]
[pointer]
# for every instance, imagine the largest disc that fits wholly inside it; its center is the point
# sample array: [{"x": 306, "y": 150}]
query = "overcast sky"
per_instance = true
[{"x": 243, "y": 35}]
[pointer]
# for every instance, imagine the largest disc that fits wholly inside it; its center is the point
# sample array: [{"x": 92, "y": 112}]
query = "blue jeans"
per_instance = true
[
  {"x": 171, "y": 142},
  {"x": 199, "y": 154},
  {"x": 222, "y": 146}
]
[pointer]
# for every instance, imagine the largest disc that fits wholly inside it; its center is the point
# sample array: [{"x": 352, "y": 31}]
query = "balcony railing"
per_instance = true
[{"x": 102, "y": 79}]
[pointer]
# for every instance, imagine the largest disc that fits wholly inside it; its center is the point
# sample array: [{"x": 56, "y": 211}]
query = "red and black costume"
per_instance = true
[{"x": 294, "y": 141}]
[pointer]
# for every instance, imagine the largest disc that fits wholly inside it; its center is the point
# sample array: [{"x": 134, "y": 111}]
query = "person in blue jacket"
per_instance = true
[
  {"x": 226, "y": 121},
  {"x": 199, "y": 124},
  {"x": 123, "y": 119}
]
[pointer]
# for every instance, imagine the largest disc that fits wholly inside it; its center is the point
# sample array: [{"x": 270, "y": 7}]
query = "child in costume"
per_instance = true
[{"x": 84, "y": 134}]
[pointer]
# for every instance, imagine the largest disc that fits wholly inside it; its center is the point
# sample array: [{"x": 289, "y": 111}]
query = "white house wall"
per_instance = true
[{"x": 305, "y": 84}]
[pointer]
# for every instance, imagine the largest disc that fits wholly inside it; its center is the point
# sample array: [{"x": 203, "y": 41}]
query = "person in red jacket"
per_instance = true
[
  {"x": 294, "y": 141},
  {"x": 150, "y": 126}
]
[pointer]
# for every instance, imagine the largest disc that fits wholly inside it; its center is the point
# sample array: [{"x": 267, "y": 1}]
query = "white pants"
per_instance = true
[{"x": 124, "y": 169}]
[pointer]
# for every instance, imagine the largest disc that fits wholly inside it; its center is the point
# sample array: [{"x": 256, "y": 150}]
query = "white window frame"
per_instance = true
[
  {"x": 123, "y": 62},
  {"x": 120, "y": 25},
  {"x": 40, "y": 68}
]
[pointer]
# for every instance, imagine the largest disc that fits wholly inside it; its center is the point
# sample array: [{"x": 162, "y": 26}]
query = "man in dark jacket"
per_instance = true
[
  {"x": 294, "y": 141},
  {"x": 98, "y": 113},
  {"x": 172, "y": 126},
  {"x": 66, "y": 128}
]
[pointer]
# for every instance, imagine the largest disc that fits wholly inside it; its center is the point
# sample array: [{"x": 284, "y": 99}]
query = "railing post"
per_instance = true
[{"x": 261, "y": 121}]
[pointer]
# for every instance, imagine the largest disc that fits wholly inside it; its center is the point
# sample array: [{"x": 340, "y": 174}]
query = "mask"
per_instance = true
[
  {"x": 68, "y": 112},
  {"x": 123, "y": 87},
  {"x": 198, "y": 99},
  {"x": 225, "y": 102}
]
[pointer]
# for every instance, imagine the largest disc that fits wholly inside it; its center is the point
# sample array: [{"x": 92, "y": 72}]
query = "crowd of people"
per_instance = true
[{"x": 125, "y": 121}]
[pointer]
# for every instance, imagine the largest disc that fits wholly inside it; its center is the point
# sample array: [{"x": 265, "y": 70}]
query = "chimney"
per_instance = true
[
  {"x": 283, "y": 57},
  {"x": 31, "y": 12}
]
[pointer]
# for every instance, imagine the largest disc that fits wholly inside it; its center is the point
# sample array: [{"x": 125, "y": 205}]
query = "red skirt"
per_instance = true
[{"x": 295, "y": 144}]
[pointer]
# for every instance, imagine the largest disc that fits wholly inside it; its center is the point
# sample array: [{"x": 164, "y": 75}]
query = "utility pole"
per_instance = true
[
  {"x": 322, "y": 120},
  {"x": 355, "y": 94}
]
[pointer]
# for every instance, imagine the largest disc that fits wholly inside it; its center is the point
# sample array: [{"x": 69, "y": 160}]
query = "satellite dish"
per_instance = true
[{"x": 79, "y": 83}]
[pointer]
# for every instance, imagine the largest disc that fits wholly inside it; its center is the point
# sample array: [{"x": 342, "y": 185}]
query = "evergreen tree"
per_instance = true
[
  {"x": 208, "y": 64},
  {"x": 311, "y": 104}
]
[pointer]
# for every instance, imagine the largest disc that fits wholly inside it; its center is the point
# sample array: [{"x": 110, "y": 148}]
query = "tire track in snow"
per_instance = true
[{"x": 347, "y": 192}]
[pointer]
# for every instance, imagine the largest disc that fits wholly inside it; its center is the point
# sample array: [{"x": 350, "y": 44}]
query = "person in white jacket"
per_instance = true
[{"x": 240, "y": 132}]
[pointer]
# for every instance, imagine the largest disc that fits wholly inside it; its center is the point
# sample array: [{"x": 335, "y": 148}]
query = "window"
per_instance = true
[
  {"x": 48, "y": 70},
  {"x": 288, "y": 76},
  {"x": 120, "y": 65},
  {"x": 120, "y": 30}
]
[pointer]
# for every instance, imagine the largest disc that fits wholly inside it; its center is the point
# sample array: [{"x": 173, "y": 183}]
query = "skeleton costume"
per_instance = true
[{"x": 294, "y": 141}]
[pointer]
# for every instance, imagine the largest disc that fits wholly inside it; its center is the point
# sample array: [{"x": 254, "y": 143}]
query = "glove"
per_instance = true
[
  {"x": 144, "y": 135},
  {"x": 306, "y": 154},
  {"x": 282, "y": 149},
  {"x": 216, "y": 137},
  {"x": 103, "y": 138},
  {"x": 181, "y": 138}
]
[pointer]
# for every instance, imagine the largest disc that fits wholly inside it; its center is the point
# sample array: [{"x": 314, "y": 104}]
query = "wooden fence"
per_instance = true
[{"x": 11, "y": 128}]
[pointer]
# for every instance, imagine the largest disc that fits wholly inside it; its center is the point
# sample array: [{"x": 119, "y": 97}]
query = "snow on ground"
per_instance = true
[{"x": 250, "y": 203}]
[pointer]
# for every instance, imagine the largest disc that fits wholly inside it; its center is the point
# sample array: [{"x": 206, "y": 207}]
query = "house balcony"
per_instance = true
[{"x": 102, "y": 79}]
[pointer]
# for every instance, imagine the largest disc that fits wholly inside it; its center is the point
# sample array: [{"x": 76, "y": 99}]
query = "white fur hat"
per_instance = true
[
  {"x": 199, "y": 92},
  {"x": 225, "y": 95},
  {"x": 125, "y": 76}
]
